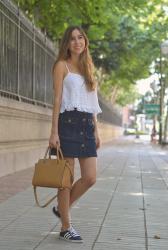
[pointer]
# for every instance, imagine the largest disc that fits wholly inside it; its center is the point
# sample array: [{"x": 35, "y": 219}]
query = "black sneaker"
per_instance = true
[
  {"x": 56, "y": 212},
  {"x": 71, "y": 235}
]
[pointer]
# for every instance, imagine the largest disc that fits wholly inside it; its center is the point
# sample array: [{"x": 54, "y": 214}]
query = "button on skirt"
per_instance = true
[{"x": 76, "y": 133}]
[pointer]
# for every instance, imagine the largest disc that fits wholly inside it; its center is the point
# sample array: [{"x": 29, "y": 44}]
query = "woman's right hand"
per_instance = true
[{"x": 54, "y": 141}]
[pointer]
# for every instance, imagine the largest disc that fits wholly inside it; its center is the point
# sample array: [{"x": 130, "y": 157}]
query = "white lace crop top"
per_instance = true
[{"x": 76, "y": 95}]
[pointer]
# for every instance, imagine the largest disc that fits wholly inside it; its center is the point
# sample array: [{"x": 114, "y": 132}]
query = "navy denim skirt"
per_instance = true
[{"x": 76, "y": 133}]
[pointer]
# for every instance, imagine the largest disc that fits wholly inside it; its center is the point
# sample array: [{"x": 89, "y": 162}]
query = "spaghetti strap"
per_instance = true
[{"x": 67, "y": 67}]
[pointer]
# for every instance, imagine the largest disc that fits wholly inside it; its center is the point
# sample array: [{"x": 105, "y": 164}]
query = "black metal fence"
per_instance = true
[{"x": 26, "y": 58}]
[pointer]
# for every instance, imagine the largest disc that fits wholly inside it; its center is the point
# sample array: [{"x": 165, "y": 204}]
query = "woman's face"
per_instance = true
[{"x": 77, "y": 42}]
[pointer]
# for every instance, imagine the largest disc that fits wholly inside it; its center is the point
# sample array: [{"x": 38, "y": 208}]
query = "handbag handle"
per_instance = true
[
  {"x": 59, "y": 153},
  {"x": 37, "y": 202},
  {"x": 59, "y": 157}
]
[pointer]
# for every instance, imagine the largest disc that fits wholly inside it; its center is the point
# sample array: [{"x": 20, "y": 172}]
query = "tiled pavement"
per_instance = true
[
  {"x": 14, "y": 183},
  {"x": 125, "y": 210}
]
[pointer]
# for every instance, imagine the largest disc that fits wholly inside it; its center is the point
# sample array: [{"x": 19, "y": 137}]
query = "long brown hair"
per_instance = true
[{"x": 86, "y": 65}]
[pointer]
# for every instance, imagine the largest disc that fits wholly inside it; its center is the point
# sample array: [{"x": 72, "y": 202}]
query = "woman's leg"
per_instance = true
[
  {"x": 63, "y": 201},
  {"x": 88, "y": 178}
]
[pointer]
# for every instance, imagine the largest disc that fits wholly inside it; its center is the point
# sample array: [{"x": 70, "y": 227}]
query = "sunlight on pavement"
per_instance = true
[
  {"x": 53, "y": 233},
  {"x": 105, "y": 178},
  {"x": 146, "y": 172},
  {"x": 137, "y": 194},
  {"x": 162, "y": 153}
]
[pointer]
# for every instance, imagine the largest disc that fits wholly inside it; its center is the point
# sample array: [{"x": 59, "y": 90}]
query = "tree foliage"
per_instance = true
[{"x": 125, "y": 35}]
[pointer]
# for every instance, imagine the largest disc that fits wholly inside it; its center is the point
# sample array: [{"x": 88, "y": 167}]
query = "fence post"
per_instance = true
[
  {"x": 45, "y": 78},
  {"x": 34, "y": 61},
  {"x": 18, "y": 53}
]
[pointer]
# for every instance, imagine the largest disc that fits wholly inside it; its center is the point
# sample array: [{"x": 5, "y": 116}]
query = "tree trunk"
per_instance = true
[{"x": 165, "y": 127}]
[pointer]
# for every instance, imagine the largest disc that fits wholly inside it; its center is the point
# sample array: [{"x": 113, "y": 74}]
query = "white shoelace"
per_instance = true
[{"x": 73, "y": 232}]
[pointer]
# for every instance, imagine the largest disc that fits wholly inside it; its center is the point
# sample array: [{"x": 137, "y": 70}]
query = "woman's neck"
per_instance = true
[{"x": 74, "y": 60}]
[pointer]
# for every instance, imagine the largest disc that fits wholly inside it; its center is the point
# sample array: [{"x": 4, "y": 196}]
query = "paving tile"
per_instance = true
[
  {"x": 119, "y": 245},
  {"x": 157, "y": 244},
  {"x": 14, "y": 183},
  {"x": 128, "y": 202},
  {"x": 120, "y": 231}
]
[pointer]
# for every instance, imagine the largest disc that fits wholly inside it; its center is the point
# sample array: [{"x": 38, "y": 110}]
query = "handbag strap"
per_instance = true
[
  {"x": 37, "y": 202},
  {"x": 50, "y": 200},
  {"x": 59, "y": 153},
  {"x": 45, "y": 156}
]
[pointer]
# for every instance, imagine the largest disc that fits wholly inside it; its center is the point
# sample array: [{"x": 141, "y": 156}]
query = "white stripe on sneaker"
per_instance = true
[
  {"x": 67, "y": 235},
  {"x": 71, "y": 235}
]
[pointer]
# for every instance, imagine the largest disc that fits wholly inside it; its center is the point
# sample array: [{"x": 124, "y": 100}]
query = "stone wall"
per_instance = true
[{"x": 24, "y": 134}]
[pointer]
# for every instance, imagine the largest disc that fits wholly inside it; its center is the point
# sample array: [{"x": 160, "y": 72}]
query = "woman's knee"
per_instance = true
[{"x": 89, "y": 181}]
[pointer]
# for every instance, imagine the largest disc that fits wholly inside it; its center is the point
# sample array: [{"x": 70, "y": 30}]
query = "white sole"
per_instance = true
[{"x": 73, "y": 241}]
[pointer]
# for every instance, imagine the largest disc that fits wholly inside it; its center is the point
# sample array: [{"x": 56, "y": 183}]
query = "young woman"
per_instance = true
[{"x": 74, "y": 127}]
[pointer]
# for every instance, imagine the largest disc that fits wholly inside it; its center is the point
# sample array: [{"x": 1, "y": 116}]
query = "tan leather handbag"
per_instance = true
[{"x": 52, "y": 173}]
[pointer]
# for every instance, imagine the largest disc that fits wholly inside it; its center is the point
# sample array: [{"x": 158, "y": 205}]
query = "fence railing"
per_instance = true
[
  {"x": 26, "y": 58},
  {"x": 110, "y": 114}
]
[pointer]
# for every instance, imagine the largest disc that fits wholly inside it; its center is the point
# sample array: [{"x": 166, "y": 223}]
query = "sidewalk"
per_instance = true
[{"x": 127, "y": 209}]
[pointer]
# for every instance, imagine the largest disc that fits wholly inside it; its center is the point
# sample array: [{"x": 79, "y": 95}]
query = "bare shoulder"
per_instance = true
[{"x": 59, "y": 67}]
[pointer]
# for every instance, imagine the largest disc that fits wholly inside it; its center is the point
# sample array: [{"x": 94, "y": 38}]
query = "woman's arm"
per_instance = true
[
  {"x": 96, "y": 132},
  {"x": 95, "y": 121},
  {"x": 58, "y": 76}
]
